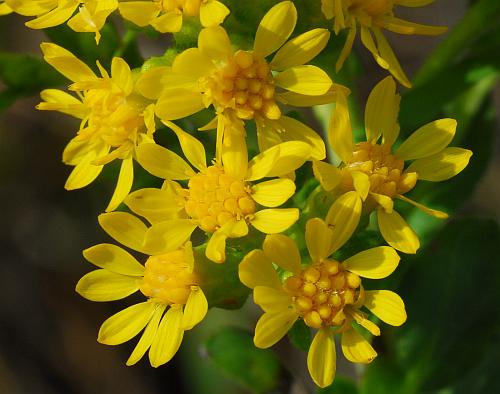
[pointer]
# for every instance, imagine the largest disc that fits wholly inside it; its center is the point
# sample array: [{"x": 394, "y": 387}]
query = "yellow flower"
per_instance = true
[
  {"x": 221, "y": 199},
  {"x": 175, "y": 302},
  {"x": 90, "y": 17},
  {"x": 371, "y": 16},
  {"x": 115, "y": 120},
  {"x": 327, "y": 294},
  {"x": 4, "y": 8},
  {"x": 166, "y": 15},
  {"x": 377, "y": 173},
  {"x": 243, "y": 85}
]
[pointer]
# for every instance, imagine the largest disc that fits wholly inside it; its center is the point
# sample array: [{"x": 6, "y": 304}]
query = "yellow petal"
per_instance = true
[
  {"x": 178, "y": 103},
  {"x": 384, "y": 201},
  {"x": 427, "y": 210},
  {"x": 361, "y": 183},
  {"x": 346, "y": 49},
  {"x": 234, "y": 148},
  {"x": 216, "y": 246},
  {"x": 121, "y": 74},
  {"x": 103, "y": 285},
  {"x": 84, "y": 172},
  {"x": 124, "y": 228},
  {"x": 5, "y": 9},
  {"x": 191, "y": 147},
  {"x": 381, "y": 110},
  {"x": 279, "y": 160},
  {"x": 300, "y": 49},
  {"x": 126, "y": 324},
  {"x": 168, "y": 235},
  {"x": 273, "y": 193},
  {"x": 441, "y": 166},
  {"x": 282, "y": 251},
  {"x": 141, "y": 13},
  {"x": 257, "y": 270},
  {"x": 192, "y": 62},
  {"x": 301, "y": 100},
  {"x": 275, "y": 28},
  {"x": 57, "y": 16},
  {"x": 356, "y": 348},
  {"x": 321, "y": 358},
  {"x": 154, "y": 204},
  {"x": 428, "y": 140},
  {"x": 214, "y": 43},
  {"x": 66, "y": 63},
  {"x": 343, "y": 218},
  {"x": 58, "y": 100},
  {"x": 271, "y": 327},
  {"x": 125, "y": 180},
  {"x": 327, "y": 174},
  {"x": 369, "y": 43},
  {"x": 363, "y": 321},
  {"x": 170, "y": 22},
  {"x": 308, "y": 80},
  {"x": 401, "y": 26},
  {"x": 272, "y": 300},
  {"x": 196, "y": 308},
  {"x": 272, "y": 221},
  {"x": 386, "y": 305},
  {"x": 147, "y": 336},
  {"x": 168, "y": 338},
  {"x": 114, "y": 259},
  {"x": 213, "y": 13},
  {"x": 340, "y": 130},
  {"x": 388, "y": 55},
  {"x": 30, "y": 8},
  {"x": 150, "y": 82},
  {"x": 293, "y": 130},
  {"x": 374, "y": 263},
  {"x": 162, "y": 162},
  {"x": 397, "y": 232},
  {"x": 318, "y": 239}
]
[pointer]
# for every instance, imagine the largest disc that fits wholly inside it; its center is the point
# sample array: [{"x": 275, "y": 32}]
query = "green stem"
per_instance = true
[{"x": 464, "y": 33}]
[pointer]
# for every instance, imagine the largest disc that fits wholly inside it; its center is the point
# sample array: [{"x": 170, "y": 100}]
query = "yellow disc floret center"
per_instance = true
[
  {"x": 384, "y": 170},
  {"x": 372, "y": 8},
  {"x": 321, "y": 291},
  {"x": 215, "y": 197},
  {"x": 244, "y": 83},
  {"x": 167, "y": 278},
  {"x": 187, "y": 7}
]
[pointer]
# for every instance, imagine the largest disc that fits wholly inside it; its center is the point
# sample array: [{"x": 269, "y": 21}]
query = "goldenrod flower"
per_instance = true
[
  {"x": 371, "y": 16},
  {"x": 175, "y": 302},
  {"x": 115, "y": 120},
  {"x": 4, "y": 8},
  {"x": 327, "y": 294},
  {"x": 243, "y": 85},
  {"x": 166, "y": 15},
  {"x": 90, "y": 16},
  {"x": 377, "y": 173},
  {"x": 221, "y": 199}
]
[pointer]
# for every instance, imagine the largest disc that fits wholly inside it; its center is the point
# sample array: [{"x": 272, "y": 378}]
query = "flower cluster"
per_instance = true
[{"x": 238, "y": 192}]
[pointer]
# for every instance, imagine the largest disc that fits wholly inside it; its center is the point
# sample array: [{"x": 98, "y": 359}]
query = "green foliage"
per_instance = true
[
  {"x": 232, "y": 350},
  {"x": 451, "y": 336},
  {"x": 300, "y": 335},
  {"x": 341, "y": 385}
]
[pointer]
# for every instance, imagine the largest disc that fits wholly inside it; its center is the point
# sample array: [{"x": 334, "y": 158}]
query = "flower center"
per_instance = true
[
  {"x": 384, "y": 170},
  {"x": 215, "y": 197},
  {"x": 245, "y": 83},
  {"x": 321, "y": 291},
  {"x": 372, "y": 7},
  {"x": 167, "y": 278},
  {"x": 187, "y": 7}
]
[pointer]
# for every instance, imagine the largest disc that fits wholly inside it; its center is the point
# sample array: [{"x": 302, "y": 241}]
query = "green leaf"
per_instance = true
[
  {"x": 341, "y": 385},
  {"x": 232, "y": 349},
  {"x": 300, "y": 335},
  {"x": 451, "y": 292}
]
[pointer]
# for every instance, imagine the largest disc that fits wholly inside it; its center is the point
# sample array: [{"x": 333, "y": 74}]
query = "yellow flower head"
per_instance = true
[
  {"x": 4, "y": 8},
  {"x": 327, "y": 294},
  {"x": 175, "y": 302},
  {"x": 378, "y": 173},
  {"x": 90, "y": 14},
  {"x": 166, "y": 15},
  {"x": 221, "y": 199},
  {"x": 115, "y": 120},
  {"x": 371, "y": 16},
  {"x": 243, "y": 84}
]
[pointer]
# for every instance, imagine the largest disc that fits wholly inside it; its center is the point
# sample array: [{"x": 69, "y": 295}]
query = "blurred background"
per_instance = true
[{"x": 450, "y": 343}]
